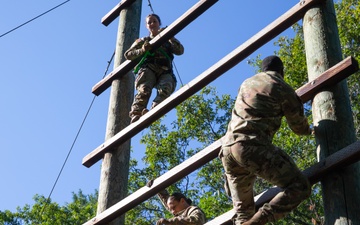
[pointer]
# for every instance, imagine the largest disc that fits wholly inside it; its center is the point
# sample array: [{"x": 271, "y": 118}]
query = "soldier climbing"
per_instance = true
[
  {"x": 154, "y": 69},
  {"x": 248, "y": 152}
]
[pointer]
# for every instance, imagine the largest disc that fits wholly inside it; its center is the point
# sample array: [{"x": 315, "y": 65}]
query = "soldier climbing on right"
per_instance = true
[
  {"x": 248, "y": 152},
  {"x": 154, "y": 69}
]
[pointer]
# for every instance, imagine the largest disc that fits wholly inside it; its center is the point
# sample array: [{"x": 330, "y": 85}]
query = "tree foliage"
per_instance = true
[
  {"x": 348, "y": 19},
  {"x": 45, "y": 212}
]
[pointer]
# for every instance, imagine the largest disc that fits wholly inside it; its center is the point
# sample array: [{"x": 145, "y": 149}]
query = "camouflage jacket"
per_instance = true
[
  {"x": 162, "y": 57},
  {"x": 192, "y": 215},
  {"x": 261, "y": 103}
]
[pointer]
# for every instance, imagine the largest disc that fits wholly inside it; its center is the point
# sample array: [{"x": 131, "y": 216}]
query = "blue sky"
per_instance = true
[{"x": 49, "y": 66}]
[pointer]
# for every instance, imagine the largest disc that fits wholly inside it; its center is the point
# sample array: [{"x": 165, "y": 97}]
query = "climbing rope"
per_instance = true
[
  {"x": 152, "y": 10},
  {"x": 172, "y": 60},
  {"x": 48, "y": 199}
]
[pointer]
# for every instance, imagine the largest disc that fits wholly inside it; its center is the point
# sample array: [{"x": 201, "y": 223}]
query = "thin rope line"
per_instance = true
[
  {"x": 177, "y": 72},
  {"x": 151, "y": 8},
  {"x": 33, "y": 19},
  {"x": 75, "y": 139}
]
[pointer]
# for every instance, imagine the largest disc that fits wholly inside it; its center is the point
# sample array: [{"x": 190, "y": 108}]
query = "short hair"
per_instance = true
[
  {"x": 157, "y": 17},
  {"x": 272, "y": 63},
  {"x": 178, "y": 196}
]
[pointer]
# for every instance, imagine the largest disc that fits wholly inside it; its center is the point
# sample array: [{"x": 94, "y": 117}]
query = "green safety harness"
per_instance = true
[{"x": 148, "y": 53}]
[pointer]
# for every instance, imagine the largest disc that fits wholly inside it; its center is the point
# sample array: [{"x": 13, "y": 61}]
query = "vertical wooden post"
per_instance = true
[
  {"x": 332, "y": 116},
  {"x": 115, "y": 165}
]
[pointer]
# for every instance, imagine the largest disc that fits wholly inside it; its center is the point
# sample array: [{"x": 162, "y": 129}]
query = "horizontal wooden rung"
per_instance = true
[
  {"x": 160, "y": 183},
  {"x": 330, "y": 77},
  {"x": 115, "y": 12},
  {"x": 341, "y": 158}
]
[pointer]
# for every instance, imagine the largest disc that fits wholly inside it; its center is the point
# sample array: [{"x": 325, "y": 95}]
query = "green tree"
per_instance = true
[
  {"x": 348, "y": 19},
  {"x": 45, "y": 212}
]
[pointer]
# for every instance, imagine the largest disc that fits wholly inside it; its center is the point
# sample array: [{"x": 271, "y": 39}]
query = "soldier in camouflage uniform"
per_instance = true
[
  {"x": 154, "y": 70},
  {"x": 248, "y": 152},
  {"x": 180, "y": 206}
]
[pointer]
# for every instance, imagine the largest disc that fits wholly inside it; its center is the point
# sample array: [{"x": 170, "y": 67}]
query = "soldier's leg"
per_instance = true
[
  {"x": 240, "y": 185},
  {"x": 144, "y": 83},
  {"x": 279, "y": 169},
  {"x": 165, "y": 86}
]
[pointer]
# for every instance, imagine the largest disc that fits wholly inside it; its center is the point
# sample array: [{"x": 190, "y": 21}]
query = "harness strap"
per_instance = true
[
  {"x": 147, "y": 53},
  {"x": 164, "y": 53}
]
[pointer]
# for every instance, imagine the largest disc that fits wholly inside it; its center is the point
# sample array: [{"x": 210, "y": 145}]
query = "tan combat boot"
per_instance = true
[
  {"x": 135, "y": 116},
  {"x": 144, "y": 111}
]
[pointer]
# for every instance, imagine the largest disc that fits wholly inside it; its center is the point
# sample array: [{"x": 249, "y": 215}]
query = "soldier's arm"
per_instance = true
[
  {"x": 163, "y": 196},
  {"x": 294, "y": 113},
  {"x": 135, "y": 50},
  {"x": 195, "y": 217},
  {"x": 177, "y": 47}
]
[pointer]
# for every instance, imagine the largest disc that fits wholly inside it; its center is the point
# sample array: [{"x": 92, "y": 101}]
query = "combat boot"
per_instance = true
[
  {"x": 144, "y": 111},
  {"x": 135, "y": 116},
  {"x": 258, "y": 219}
]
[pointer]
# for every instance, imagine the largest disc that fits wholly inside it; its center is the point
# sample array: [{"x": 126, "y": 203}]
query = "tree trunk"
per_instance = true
[
  {"x": 333, "y": 120},
  {"x": 115, "y": 165}
]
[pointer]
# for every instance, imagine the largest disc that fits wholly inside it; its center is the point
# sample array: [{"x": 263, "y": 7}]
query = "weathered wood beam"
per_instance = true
[
  {"x": 115, "y": 12},
  {"x": 184, "y": 20},
  {"x": 330, "y": 77},
  {"x": 223, "y": 219},
  {"x": 160, "y": 183},
  {"x": 349, "y": 65},
  {"x": 341, "y": 158}
]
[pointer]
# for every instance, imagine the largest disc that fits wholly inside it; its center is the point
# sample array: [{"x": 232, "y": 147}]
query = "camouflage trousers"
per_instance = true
[
  {"x": 243, "y": 163},
  {"x": 146, "y": 80}
]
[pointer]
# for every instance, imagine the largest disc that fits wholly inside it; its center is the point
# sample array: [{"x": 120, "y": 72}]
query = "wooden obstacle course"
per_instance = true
[{"x": 335, "y": 74}]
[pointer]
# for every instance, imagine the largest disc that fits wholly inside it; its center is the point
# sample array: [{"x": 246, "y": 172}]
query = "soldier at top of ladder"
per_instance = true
[{"x": 154, "y": 70}]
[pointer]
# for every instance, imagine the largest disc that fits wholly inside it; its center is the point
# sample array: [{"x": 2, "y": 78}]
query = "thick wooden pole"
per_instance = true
[
  {"x": 115, "y": 165},
  {"x": 332, "y": 116}
]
